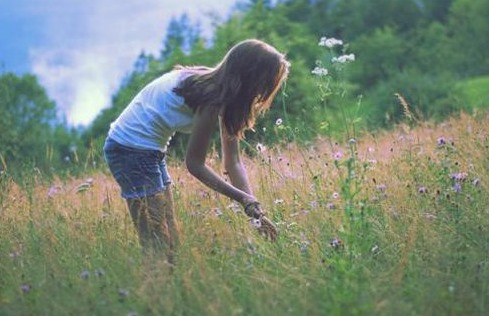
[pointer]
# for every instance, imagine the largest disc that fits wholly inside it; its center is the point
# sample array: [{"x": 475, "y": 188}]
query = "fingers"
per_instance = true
[
  {"x": 267, "y": 228},
  {"x": 254, "y": 210},
  {"x": 264, "y": 225}
]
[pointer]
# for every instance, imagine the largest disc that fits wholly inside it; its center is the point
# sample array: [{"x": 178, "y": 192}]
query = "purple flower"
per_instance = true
[
  {"x": 441, "y": 141},
  {"x": 459, "y": 176},
  {"x": 422, "y": 190},
  {"x": 314, "y": 204},
  {"x": 53, "y": 190},
  {"x": 457, "y": 187},
  {"x": 25, "y": 288}
]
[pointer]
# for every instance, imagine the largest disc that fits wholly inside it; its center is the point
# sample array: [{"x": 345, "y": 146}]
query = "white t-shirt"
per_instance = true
[{"x": 154, "y": 115}]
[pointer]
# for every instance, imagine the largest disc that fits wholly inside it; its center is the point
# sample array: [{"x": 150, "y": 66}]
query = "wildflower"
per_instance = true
[
  {"x": 459, "y": 176},
  {"x": 217, "y": 212},
  {"x": 304, "y": 242},
  {"x": 330, "y": 206},
  {"x": 255, "y": 222},
  {"x": 336, "y": 243},
  {"x": 476, "y": 182},
  {"x": 25, "y": 288},
  {"x": 335, "y": 195},
  {"x": 53, "y": 190},
  {"x": 278, "y": 122},
  {"x": 441, "y": 141},
  {"x": 304, "y": 245},
  {"x": 451, "y": 288},
  {"x": 205, "y": 194},
  {"x": 123, "y": 293},
  {"x": 375, "y": 249},
  {"x": 85, "y": 274},
  {"x": 278, "y": 201},
  {"x": 14, "y": 254},
  {"x": 260, "y": 147},
  {"x": 337, "y": 155},
  {"x": 457, "y": 187},
  {"x": 422, "y": 190},
  {"x": 343, "y": 59},
  {"x": 429, "y": 216},
  {"x": 330, "y": 42},
  {"x": 381, "y": 187},
  {"x": 320, "y": 71},
  {"x": 352, "y": 141},
  {"x": 314, "y": 204}
]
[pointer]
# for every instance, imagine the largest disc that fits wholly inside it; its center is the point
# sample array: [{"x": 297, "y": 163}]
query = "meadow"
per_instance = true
[{"x": 391, "y": 223}]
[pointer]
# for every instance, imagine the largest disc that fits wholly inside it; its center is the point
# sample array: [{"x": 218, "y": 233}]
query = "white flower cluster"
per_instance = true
[
  {"x": 320, "y": 71},
  {"x": 343, "y": 58},
  {"x": 330, "y": 42}
]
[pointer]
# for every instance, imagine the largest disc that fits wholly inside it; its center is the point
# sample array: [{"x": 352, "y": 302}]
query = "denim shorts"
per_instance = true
[{"x": 138, "y": 172}]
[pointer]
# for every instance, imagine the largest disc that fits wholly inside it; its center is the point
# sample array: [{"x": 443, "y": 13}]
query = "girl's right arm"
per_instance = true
[{"x": 205, "y": 121}]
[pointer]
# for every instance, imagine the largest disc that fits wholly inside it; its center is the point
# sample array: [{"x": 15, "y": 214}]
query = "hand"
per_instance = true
[
  {"x": 267, "y": 228},
  {"x": 264, "y": 225},
  {"x": 254, "y": 210}
]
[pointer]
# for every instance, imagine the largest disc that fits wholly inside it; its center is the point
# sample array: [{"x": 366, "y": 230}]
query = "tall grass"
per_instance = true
[{"x": 398, "y": 226}]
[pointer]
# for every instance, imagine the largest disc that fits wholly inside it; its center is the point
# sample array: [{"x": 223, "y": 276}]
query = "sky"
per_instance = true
[{"x": 80, "y": 50}]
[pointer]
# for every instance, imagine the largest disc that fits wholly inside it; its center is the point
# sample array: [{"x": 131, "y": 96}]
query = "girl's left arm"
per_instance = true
[
  {"x": 205, "y": 121},
  {"x": 232, "y": 161}
]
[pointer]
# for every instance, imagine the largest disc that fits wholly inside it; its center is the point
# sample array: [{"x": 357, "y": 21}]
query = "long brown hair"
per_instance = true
[{"x": 244, "y": 83}]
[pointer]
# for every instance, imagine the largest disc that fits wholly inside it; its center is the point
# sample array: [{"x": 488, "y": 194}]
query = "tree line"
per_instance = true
[{"x": 432, "y": 53}]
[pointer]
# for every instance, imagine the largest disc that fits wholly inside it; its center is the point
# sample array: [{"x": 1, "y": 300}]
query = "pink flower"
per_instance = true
[{"x": 337, "y": 155}]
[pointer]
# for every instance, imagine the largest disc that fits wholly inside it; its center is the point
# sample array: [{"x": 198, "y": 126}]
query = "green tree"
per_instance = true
[
  {"x": 380, "y": 55},
  {"x": 28, "y": 116},
  {"x": 469, "y": 25},
  {"x": 437, "y": 10},
  {"x": 357, "y": 17}
]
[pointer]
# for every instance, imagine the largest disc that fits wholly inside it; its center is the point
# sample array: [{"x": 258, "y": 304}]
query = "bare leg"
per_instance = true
[
  {"x": 138, "y": 211},
  {"x": 154, "y": 219},
  {"x": 171, "y": 223}
]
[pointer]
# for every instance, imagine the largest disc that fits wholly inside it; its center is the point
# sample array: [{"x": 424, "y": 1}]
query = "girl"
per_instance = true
[{"x": 192, "y": 100}]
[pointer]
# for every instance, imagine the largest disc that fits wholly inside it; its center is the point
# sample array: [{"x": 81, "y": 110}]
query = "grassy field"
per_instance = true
[{"x": 390, "y": 224}]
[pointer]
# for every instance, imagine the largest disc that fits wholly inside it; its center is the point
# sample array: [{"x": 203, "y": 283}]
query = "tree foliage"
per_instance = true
[{"x": 27, "y": 117}]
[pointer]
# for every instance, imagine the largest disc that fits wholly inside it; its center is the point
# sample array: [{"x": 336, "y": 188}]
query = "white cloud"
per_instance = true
[{"x": 91, "y": 45}]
